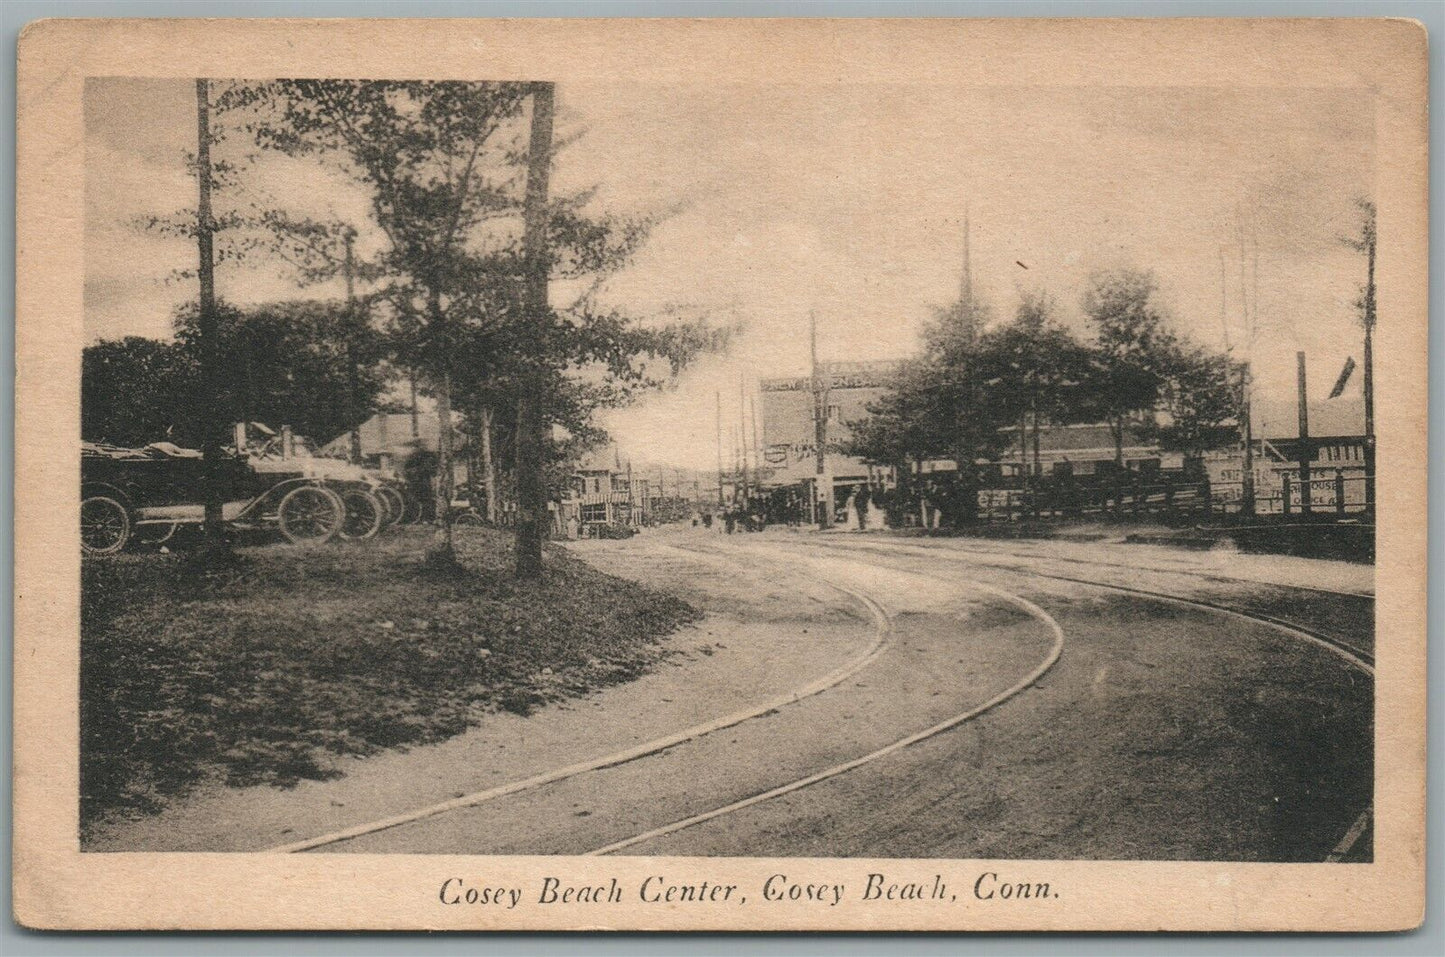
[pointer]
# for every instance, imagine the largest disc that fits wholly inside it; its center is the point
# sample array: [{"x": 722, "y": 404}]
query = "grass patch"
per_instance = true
[{"x": 260, "y": 673}]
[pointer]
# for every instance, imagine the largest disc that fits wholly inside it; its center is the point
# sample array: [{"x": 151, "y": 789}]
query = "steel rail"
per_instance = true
[
  {"x": 1356, "y": 657},
  {"x": 882, "y": 640},
  {"x": 1055, "y": 650},
  {"x": 921, "y": 549}
]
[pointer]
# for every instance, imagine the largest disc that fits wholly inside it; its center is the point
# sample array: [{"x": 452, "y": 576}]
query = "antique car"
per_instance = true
[{"x": 146, "y": 494}]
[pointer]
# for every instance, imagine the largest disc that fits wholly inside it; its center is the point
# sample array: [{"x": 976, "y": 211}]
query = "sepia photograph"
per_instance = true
[{"x": 608, "y": 468}]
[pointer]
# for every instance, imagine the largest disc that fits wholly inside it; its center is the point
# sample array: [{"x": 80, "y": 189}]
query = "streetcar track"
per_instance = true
[
  {"x": 1353, "y": 653},
  {"x": 882, "y": 641},
  {"x": 1055, "y": 650},
  {"x": 1357, "y": 657},
  {"x": 883, "y": 630},
  {"x": 1040, "y": 556}
]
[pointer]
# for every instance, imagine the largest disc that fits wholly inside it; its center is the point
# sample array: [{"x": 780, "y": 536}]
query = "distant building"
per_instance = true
[
  {"x": 788, "y": 434},
  {"x": 600, "y": 492},
  {"x": 1335, "y": 451},
  {"x": 388, "y": 440}
]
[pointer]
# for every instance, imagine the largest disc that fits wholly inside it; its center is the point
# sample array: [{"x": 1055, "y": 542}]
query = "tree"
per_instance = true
[
  {"x": 1200, "y": 398},
  {"x": 440, "y": 162},
  {"x": 290, "y": 365},
  {"x": 1132, "y": 350},
  {"x": 436, "y": 159},
  {"x": 135, "y": 391},
  {"x": 305, "y": 363},
  {"x": 937, "y": 407},
  {"x": 1032, "y": 373}
]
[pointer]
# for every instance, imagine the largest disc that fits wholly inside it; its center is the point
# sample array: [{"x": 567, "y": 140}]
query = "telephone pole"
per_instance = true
[
  {"x": 1369, "y": 370},
  {"x": 743, "y": 435},
  {"x": 719, "y": 448},
  {"x": 757, "y": 446},
  {"x": 1305, "y": 453},
  {"x": 352, "y": 372},
  {"x": 824, "y": 484},
  {"x": 206, "y": 329},
  {"x": 1246, "y": 489},
  {"x": 531, "y": 428}
]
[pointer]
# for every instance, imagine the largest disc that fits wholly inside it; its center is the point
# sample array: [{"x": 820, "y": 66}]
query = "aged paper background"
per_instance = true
[{"x": 58, "y": 887}]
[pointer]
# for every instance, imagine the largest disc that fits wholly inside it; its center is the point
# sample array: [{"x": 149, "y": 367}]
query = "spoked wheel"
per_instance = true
[
  {"x": 104, "y": 525},
  {"x": 363, "y": 514},
  {"x": 469, "y": 519},
  {"x": 395, "y": 504},
  {"x": 310, "y": 515}
]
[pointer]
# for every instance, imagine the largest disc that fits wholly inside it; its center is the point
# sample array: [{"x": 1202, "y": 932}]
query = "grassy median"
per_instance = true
[{"x": 300, "y": 654}]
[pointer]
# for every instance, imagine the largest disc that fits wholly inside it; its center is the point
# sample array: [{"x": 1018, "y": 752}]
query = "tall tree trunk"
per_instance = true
[
  {"x": 211, "y": 411},
  {"x": 441, "y": 549},
  {"x": 922, "y": 498},
  {"x": 415, "y": 415},
  {"x": 531, "y": 426},
  {"x": 1025, "y": 479},
  {"x": 442, "y": 542},
  {"x": 353, "y": 373},
  {"x": 489, "y": 468}
]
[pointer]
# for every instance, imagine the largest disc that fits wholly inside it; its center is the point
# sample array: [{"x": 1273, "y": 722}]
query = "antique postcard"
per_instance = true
[{"x": 728, "y": 475}]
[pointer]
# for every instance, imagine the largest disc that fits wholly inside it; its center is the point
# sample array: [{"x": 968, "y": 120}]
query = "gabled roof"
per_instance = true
[
  {"x": 390, "y": 432},
  {"x": 1328, "y": 418}
]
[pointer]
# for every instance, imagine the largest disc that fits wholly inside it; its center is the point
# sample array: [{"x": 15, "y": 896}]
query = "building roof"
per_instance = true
[
  {"x": 390, "y": 433},
  {"x": 1072, "y": 438},
  {"x": 605, "y": 458},
  {"x": 1328, "y": 418}
]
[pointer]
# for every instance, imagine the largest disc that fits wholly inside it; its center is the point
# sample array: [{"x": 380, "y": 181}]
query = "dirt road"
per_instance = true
[
  {"x": 865, "y": 695},
  {"x": 1162, "y": 730}
]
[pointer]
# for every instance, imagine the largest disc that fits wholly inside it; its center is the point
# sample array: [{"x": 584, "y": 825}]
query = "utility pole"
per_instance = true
[
  {"x": 965, "y": 289},
  {"x": 1369, "y": 371},
  {"x": 743, "y": 435},
  {"x": 1246, "y": 427},
  {"x": 757, "y": 446},
  {"x": 352, "y": 372},
  {"x": 1246, "y": 490},
  {"x": 1305, "y": 453},
  {"x": 211, "y": 464},
  {"x": 531, "y": 430},
  {"x": 719, "y": 448},
  {"x": 733, "y": 444},
  {"x": 824, "y": 484}
]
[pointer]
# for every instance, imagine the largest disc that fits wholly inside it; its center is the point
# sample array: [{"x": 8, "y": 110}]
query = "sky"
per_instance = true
[{"x": 848, "y": 202}]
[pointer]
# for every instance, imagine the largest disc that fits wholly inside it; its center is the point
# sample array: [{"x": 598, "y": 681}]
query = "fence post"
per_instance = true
[
  {"x": 1284, "y": 494},
  {"x": 1339, "y": 491}
]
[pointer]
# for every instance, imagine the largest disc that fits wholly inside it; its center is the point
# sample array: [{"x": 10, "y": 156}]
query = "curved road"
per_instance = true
[{"x": 1004, "y": 714}]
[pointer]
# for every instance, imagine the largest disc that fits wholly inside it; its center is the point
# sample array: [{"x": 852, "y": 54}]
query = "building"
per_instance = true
[
  {"x": 388, "y": 439},
  {"x": 1084, "y": 449},
  {"x": 1334, "y": 452},
  {"x": 600, "y": 492},
  {"x": 788, "y": 430}
]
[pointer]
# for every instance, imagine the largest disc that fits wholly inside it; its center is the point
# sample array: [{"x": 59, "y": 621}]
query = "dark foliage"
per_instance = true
[
  {"x": 285, "y": 364},
  {"x": 300, "y": 654}
]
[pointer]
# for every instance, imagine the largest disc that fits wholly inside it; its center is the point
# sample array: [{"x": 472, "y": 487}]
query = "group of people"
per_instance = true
[
  {"x": 863, "y": 510},
  {"x": 860, "y": 508},
  {"x": 738, "y": 517}
]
